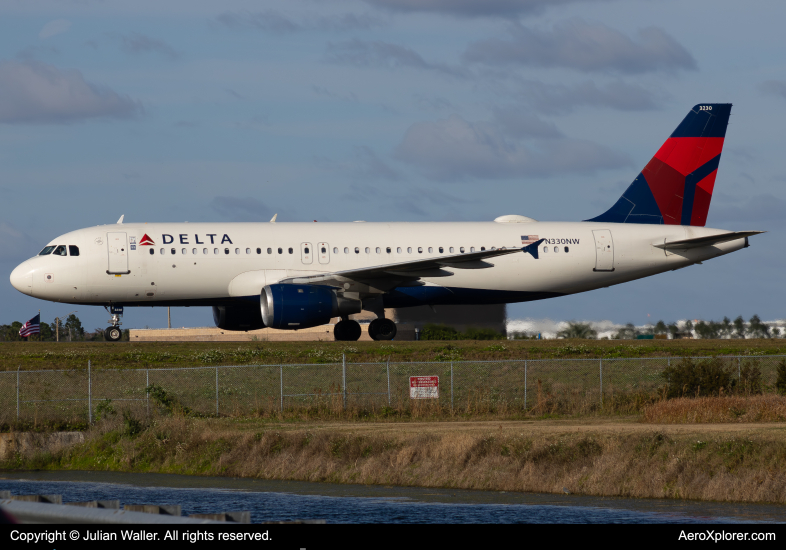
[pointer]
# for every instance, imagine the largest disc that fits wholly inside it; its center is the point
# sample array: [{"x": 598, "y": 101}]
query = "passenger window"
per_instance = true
[
  {"x": 430, "y": 250},
  {"x": 194, "y": 251},
  {"x": 409, "y": 250},
  {"x": 184, "y": 251},
  {"x": 46, "y": 251},
  {"x": 357, "y": 250},
  {"x": 226, "y": 251},
  {"x": 335, "y": 250},
  {"x": 556, "y": 249},
  {"x": 173, "y": 251},
  {"x": 387, "y": 250},
  {"x": 472, "y": 249},
  {"x": 280, "y": 250},
  {"x": 346, "y": 250},
  {"x": 204, "y": 251},
  {"x": 398, "y": 250},
  {"x": 60, "y": 251},
  {"x": 441, "y": 250},
  {"x": 290, "y": 250},
  {"x": 567, "y": 249},
  {"x": 379, "y": 250},
  {"x": 493, "y": 248},
  {"x": 451, "y": 250},
  {"x": 269, "y": 250},
  {"x": 368, "y": 250},
  {"x": 259, "y": 251},
  {"x": 73, "y": 250},
  {"x": 420, "y": 250},
  {"x": 162, "y": 251},
  {"x": 305, "y": 250},
  {"x": 482, "y": 248},
  {"x": 248, "y": 251},
  {"x": 324, "y": 250},
  {"x": 215, "y": 251},
  {"x": 545, "y": 249},
  {"x": 461, "y": 250}
]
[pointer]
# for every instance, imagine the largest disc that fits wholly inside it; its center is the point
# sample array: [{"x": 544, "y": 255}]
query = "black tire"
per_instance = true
[
  {"x": 113, "y": 334},
  {"x": 347, "y": 331},
  {"x": 382, "y": 329}
]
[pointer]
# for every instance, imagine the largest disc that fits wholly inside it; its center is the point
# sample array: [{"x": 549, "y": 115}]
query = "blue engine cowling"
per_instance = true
[{"x": 303, "y": 306}]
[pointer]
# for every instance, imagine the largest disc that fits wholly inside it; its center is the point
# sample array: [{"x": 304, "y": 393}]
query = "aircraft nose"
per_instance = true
[{"x": 22, "y": 278}]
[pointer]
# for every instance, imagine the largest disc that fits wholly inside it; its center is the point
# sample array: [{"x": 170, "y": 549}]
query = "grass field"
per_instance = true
[
  {"x": 48, "y": 355},
  {"x": 605, "y": 457}
]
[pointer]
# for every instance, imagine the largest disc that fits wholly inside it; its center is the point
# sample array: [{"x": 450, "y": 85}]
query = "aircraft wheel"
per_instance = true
[
  {"x": 347, "y": 331},
  {"x": 113, "y": 334},
  {"x": 382, "y": 329}
]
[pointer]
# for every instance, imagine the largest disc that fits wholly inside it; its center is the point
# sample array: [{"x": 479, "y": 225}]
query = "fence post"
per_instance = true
[
  {"x": 282, "y": 387},
  {"x": 89, "y": 394},
  {"x": 344, "y": 377},
  {"x": 147, "y": 391},
  {"x": 216, "y": 391},
  {"x": 388, "y": 369},
  {"x": 601, "y": 381},
  {"x": 525, "y": 384},
  {"x": 739, "y": 371},
  {"x": 451, "y": 386},
  {"x": 17, "y": 391}
]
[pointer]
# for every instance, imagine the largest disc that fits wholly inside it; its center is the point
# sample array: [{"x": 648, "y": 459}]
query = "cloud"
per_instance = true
[
  {"x": 136, "y": 43},
  {"x": 35, "y": 92},
  {"x": 384, "y": 55},
  {"x": 16, "y": 244},
  {"x": 236, "y": 209},
  {"x": 517, "y": 123},
  {"x": 363, "y": 167},
  {"x": 753, "y": 209},
  {"x": 561, "y": 98},
  {"x": 275, "y": 21},
  {"x": 774, "y": 87},
  {"x": 472, "y": 8},
  {"x": 455, "y": 149},
  {"x": 432, "y": 103},
  {"x": 584, "y": 46},
  {"x": 58, "y": 26}
]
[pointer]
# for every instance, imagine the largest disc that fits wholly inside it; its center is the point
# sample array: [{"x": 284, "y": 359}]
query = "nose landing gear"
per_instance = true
[{"x": 114, "y": 333}]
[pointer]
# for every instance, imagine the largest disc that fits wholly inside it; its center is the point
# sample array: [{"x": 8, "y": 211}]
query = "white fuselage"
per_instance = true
[{"x": 218, "y": 263}]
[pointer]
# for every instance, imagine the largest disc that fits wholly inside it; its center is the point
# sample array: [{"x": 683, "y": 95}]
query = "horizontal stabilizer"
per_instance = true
[{"x": 707, "y": 241}]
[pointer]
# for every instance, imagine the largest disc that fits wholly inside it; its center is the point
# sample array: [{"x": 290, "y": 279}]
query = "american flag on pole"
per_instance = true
[{"x": 33, "y": 326}]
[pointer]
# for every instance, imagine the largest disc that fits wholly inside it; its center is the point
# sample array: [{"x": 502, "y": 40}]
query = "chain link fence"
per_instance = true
[{"x": 567, "y": 385}]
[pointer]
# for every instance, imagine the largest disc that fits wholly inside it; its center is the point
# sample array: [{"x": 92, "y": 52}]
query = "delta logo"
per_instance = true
[{"x": 146, "y": 241}]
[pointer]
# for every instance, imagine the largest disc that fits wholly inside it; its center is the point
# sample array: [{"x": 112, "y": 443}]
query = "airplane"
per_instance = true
[{"x": 298, "y": 275}]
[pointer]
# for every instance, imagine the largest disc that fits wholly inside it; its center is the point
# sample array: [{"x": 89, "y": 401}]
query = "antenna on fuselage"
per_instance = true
[
  {"x": 120, "y": 221},
  {"x": 273, "y": 219}
]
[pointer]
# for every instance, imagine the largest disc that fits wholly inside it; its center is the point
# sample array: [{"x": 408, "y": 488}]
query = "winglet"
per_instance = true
[
  {"x": 533, "y": 248},
  {"x": 273, "y": 219},
  {"x": 120, "y": 221}
]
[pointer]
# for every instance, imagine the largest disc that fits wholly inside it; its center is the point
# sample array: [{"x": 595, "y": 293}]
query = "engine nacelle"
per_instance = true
[
  {"x": 302, "y": 306},
  {"x": 237, "y": 318}
]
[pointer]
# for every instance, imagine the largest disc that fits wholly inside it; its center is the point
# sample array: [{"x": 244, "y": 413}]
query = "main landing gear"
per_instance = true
[
  {"x": 114, "y": 333},
  {"x": 347, "y": 330}
]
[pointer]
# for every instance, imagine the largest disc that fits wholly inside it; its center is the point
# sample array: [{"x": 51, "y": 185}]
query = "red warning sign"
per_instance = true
[{"x": 424, "y": 387}]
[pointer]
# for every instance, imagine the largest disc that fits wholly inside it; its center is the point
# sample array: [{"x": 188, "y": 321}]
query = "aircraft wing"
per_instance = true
[
  {"x": 392, "y": 274},
  {"x": 706, "y": 241}
]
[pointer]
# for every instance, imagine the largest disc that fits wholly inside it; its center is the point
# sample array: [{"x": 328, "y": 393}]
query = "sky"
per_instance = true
[{"x": 388, "y": 110}]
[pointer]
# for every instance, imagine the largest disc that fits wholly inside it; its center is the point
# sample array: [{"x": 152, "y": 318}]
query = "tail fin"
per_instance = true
[{"x": 675, "y": 187}]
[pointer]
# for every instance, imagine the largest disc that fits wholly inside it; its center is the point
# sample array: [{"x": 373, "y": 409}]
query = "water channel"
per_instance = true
[{"x": 334, "y": 503}]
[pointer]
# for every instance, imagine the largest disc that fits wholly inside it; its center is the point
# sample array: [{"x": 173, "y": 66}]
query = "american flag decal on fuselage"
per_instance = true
[{"x": 528, "y": 239}]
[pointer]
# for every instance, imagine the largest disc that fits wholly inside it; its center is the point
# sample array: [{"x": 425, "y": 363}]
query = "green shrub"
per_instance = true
[
  {"x": 750, "y": 379},
  {"x": 131, "y": 426},
  {"x": 444, "y": 332},
  {"x": 105, "y": 409},
  {"x": 702, "y": 378}
]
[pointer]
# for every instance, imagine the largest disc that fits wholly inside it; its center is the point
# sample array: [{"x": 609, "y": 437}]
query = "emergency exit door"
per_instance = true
[
  {"x": 306, "y": 253},
  {"x": 604, "y": 250},
  {"x": 117, "y": 249}
]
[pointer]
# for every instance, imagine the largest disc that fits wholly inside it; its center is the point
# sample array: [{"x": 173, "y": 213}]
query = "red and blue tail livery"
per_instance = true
[{"x": 675, "y": 188}]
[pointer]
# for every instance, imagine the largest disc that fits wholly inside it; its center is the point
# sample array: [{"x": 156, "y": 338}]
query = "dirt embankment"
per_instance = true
[{"x": 724, "y": 462}]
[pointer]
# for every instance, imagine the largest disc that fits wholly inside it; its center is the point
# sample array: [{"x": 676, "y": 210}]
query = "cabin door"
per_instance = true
[{"x": 604, "y": 250}]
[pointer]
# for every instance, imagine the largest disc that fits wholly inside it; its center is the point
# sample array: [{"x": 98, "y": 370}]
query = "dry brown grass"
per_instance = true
[
  {"x": 648, "y": 463},
  {"x": 686, "y": 410}
]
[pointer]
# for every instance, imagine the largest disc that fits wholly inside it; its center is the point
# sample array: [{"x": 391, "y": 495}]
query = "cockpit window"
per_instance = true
[
  {"x": 60, "y": 250},
  {"x": 47, "y": 250},
  {"x": 73, "y": 250}
]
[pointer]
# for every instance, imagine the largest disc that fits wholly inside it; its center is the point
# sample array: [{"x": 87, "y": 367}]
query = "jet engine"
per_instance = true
[
  {"x": 237, "y": 318},
  {"x": 302, "y": 306}
]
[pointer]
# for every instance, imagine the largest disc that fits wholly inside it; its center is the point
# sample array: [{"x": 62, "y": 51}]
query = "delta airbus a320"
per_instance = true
[{"x": 298, "y": 275}]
